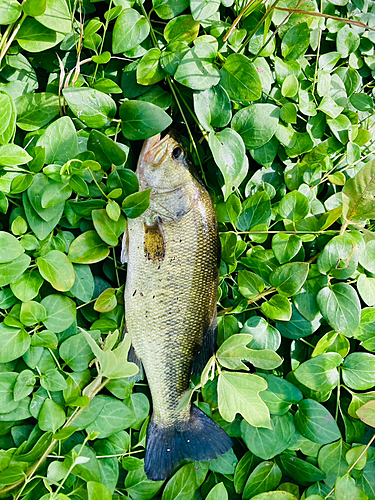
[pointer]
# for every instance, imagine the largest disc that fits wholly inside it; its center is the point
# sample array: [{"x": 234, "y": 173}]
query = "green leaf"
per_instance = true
[
  {"x": 107, "y": 151},
  {"x": 24, "y": 385},
  {"x": 98, "y": 491},
  {"x": 94, "y": 108},
  {"x": 295, "y": 42},
  {"x": 27, "y": 286},
  {"x": 31, "y": 313},
  {"x": 138, "y": 486},
  {"x": 255, "y": 210},
  {"x": 181, "y": 485},
  {"x": 106, "y": 301},
  {"x": 76, "y": 352},
  {"x": 362, "y": 102},
  {"x": 83, "y": 287},
  {"x": 129, "y": 31},
  {"x": 239, "y": 393},
  {"x": 294, "y": 206},
  {"x": 88, "y": 248},
  {"x": 332, "y": 461},
  {"x": 181, "y": 28},
  {"x": 61, "y": 312},
  {"x": 264, "y": 335},
  {"x": 234, "y": 350},
  {"x": 135, "y": 204},
  {"x": 60, "y": 141},
  {"x": 289, "y": 278},
  {"x": 358, "y": 371},
  {"x": 51, "y": 416},
  {"x": 167, "y": 9},
  {"x": 280, "y": 394},
  {"x": 286, "y": 246},
  {"x": 314, "y": 422},
  {"x": 10, "y": 271},
  {"x": 114, "y": 363},
  {"x": 240, "y": 79},
  {"x": 108, "y": 229},
  {"x": 266, "y": 476},
  {"x": 340, "y": 307},
  {"x": 57, "y": 16},
  {"x": 249, "y": 284},
  {"x": 277, "y": 495},
  {"x": 141, "y": 120},
  {"x": 300, "y": 470},
  {"x": 367, "y": 413},
  {"x": 345, "y": 489},
  {"x": 228, "y": 151},
  {"x": 202, "y": 9},
  {"x": 256, "y": 124},
  {"x": 320, "y": 373},
  {"x": 277, "y": 308},
  {"x": 14, "y": 342},
  {"x": 11, "y": 154},
  {"x": 10, "y": 248},
  {"x": 34, "y": 37},
  {"x": 339, "y": 257},
  {"x": 267, "y": 443},
  {"x": 52, "y": 380},
  {"x": 56, "y": 268},
  {"x": 213, "y": 107},
  {"x": 196, "y": 70},
  {"x": 149, "y": 70},
  {"x": 7, "y": 106},
  {"x": 36, "y": 110},
  {"x": 10, "y": 11},
  {"x": 358, "y": 194}
]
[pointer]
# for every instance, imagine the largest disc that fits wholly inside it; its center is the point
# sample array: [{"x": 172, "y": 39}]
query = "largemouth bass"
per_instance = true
[{"x": 170, "y": 303}]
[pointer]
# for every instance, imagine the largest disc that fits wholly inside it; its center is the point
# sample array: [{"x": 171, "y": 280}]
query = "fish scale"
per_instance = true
[{"x": 170, "y": 304}]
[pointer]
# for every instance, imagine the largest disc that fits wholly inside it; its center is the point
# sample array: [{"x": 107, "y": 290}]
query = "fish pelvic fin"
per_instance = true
[
  {"x": 198, "y": 439},
  {"x": 133, "y": 358}
]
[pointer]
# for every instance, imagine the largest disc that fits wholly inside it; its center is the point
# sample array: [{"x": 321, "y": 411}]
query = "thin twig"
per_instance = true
[{"x": 326, "y": 16}]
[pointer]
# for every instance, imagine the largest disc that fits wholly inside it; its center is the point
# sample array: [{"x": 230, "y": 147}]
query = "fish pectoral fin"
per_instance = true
[
  {"x": 125, "y": 247},
  {"x": 154, "y": 246},
  {"x": 133, "y": 358},
  {"x": 207, "y": 349}
]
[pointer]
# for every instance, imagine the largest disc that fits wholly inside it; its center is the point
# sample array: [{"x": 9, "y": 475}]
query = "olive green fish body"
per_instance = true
[
  {"x": 171, "y": 299},
  {"x": 170, "y": 302}
]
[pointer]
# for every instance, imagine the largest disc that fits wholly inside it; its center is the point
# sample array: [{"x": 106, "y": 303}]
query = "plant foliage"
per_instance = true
[{"x": 275, "y": 102}]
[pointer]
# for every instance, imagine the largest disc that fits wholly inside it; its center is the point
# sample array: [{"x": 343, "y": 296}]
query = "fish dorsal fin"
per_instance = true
[{"x": 154, "y": 246}]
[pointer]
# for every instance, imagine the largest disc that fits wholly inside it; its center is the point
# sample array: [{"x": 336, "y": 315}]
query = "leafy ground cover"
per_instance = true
[{"x": 275, "y": 101}]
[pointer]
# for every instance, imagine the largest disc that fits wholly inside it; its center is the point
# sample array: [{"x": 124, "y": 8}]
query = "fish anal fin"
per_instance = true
[
  {"x": 207, "y": 349},
  {"x": 133, "y": 358},
  {"x": 154, "y": 245},
  {"x": 199, "y": 439}
]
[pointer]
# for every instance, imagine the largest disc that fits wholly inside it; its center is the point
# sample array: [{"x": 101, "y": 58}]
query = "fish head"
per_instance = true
[{"x": 162, "y": 164}]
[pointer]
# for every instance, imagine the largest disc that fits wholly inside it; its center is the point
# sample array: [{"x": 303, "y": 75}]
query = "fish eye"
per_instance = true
[{"x": 177, "y": 153}]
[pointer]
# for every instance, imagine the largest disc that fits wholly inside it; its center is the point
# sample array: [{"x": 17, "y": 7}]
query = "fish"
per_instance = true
[{"x": 172, "y": 254}]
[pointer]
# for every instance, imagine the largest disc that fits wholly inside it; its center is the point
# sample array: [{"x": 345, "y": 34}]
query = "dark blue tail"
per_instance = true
[{"x": 198, "y": 439}]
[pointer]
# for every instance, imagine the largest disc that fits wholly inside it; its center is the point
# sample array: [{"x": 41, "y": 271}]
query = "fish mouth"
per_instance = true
[{"x": 156, "y": 148}]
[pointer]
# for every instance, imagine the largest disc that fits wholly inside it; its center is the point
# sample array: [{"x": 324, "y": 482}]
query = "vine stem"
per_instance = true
[
  {"x": 5, "y": 36},
  {"x": 354, "y": 463},
  {"x": 12, "y": 37},
  {"x": 97, "y": 386},
  {"x": 171, "y": 85}
]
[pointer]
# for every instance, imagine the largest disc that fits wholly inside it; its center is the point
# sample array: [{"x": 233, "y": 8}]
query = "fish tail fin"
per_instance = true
[{"x": 198, "y": 439}]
